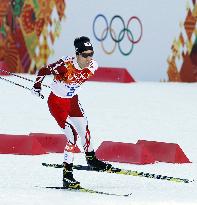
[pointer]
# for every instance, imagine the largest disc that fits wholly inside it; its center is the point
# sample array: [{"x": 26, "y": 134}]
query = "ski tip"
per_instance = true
[
  {"x": 45, "y": 164},
  {"x": 126, "y": 195}
]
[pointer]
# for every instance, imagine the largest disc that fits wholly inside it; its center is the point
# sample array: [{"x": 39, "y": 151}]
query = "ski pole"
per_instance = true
[
  {"x": 10, "y": 73},
  {"x": 22, "y": 86}
]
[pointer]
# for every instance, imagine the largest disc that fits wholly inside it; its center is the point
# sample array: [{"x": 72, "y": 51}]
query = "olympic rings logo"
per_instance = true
[{"x": 117, "y": 38}]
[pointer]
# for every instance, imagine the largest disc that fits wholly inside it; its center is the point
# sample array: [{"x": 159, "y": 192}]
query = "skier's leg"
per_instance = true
[
  {"x": 59, "y": 109},
  {"x": 71, "y": 134},
  {"x": 80, "y": 124}
]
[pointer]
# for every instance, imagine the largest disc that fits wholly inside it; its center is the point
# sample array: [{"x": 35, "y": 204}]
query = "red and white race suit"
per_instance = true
[{"x": 63, "y": 100}]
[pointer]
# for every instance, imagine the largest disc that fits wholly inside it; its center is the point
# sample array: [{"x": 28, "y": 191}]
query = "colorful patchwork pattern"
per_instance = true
[
  {"x": 182, "y": 64},
  {"x": 28, "y": 29}
]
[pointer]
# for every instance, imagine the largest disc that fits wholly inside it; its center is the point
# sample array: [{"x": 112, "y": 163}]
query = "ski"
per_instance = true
[
  {"x": 124, "y": 172},
  {"x": 85, "y": 190}
]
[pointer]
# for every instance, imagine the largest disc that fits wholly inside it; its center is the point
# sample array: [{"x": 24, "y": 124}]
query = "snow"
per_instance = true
[{"x": 117, "y": 112}]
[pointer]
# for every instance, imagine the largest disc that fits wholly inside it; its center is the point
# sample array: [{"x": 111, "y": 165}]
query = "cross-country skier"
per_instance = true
[{"x": 69, "y": 74}]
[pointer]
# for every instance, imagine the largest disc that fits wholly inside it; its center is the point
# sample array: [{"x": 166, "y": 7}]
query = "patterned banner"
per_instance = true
[
  {"x": 28, "y": 29},
  {"x": 182, "y": 64}
]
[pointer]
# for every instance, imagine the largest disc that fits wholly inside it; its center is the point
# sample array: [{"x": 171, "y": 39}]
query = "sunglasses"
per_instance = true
[{"x": 85, "y": 55}]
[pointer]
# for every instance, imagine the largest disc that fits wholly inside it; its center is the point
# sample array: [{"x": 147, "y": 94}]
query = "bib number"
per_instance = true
[{"x": 71, "y": 92}]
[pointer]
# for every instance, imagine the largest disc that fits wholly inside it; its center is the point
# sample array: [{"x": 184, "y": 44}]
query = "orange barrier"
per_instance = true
[
  {"x": 52, "y": 142},
  {"x": 33, "y": 144},
  {"x": 106, "y": 74},
  {"x": 124, "y": 153},
  {"x": 143, "y": 152},
  {"x": 165, "y": 152},
  {"x": 20, "y": 144}
]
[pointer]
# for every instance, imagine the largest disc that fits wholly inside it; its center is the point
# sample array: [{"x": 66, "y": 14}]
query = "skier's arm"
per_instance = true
[{"x": 52, "y": 69}]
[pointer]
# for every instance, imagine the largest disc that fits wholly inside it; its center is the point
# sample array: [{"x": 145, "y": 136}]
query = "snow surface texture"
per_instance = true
[{"x": 163, "y": 112}]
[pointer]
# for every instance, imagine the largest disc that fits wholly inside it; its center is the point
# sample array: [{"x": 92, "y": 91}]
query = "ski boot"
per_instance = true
[
  {"x": 95, "y": 163},
  {"x": 68, "y": 179}
]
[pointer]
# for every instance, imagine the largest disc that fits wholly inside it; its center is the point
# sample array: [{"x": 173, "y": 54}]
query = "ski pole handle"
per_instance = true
[
  {"x": 37, "y": 92},
  {"x": 41, "y": 96}
]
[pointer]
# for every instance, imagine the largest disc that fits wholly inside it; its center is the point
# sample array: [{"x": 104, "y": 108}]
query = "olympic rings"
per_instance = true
[
  {"x": 132, "y": 45},
  {"x": 105, "y": 19},
  {"x": 129, "y": 21},
  {"x": 117, "y": 38},
  {"x": 123, "y": 29},
  {"x": 114, "y": 48}
]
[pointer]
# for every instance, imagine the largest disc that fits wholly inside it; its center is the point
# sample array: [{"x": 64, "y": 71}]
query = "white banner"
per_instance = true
[{"x": 132, "y": 34}]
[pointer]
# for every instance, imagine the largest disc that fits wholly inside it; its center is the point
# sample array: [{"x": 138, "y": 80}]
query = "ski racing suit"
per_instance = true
[{"x": 63, "y": 101}]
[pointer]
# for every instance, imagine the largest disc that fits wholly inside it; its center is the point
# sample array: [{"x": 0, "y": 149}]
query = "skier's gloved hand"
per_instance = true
[{"x": 37, "y": 92}]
